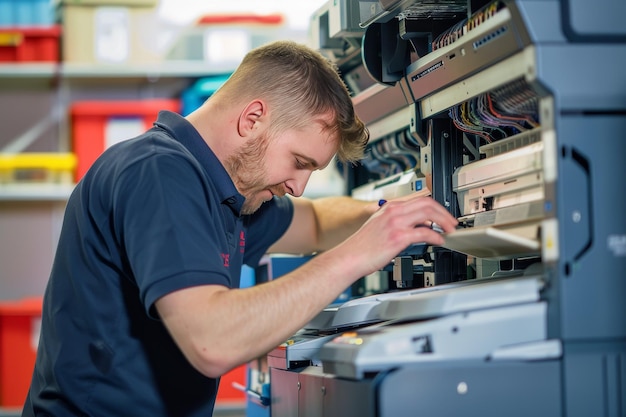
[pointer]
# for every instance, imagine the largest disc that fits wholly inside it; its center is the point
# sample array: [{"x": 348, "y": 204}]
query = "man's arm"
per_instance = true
[
  {"x": 218, "y": 328},
  {"x": 322, "y": 223}
]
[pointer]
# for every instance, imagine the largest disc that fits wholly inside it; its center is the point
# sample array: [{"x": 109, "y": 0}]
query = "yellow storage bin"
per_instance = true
[{"x": 57, "y": 168}]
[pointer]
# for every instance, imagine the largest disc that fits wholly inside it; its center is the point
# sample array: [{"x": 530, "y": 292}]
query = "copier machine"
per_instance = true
[{"x": 512, "y": 114}]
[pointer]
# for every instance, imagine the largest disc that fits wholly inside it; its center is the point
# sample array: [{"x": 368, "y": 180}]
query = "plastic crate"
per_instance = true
[
  {"x": 20, "y": 322},
  {"x": 200, "y": 91},
  {"x": 125, "y": 3},
  {"x": 228, "y": 394},
  {"x": 225, "y": 39},
  {"x": 109, "y": 34},
  {"x": 94, "y": 121},
  {"x": 32, "y": 44},
  {"x": 49, "y": 168},
  {"x": 26, "y": 13}
]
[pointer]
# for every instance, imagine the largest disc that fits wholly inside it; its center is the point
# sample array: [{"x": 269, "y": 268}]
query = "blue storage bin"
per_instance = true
[
  {"x": 26, "y": 13},
  {"x": 6, "y": 13},
  {"x": 202, "y": 89}
]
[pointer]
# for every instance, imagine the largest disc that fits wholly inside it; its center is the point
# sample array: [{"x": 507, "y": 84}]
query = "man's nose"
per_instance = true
[{"x": 297, "y": 184}]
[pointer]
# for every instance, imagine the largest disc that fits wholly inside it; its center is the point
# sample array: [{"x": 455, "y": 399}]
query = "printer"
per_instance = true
[{"x": 511, "y": 114}]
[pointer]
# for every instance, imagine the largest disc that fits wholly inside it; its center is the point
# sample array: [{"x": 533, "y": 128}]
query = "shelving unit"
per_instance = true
[
  {"x": 150, "y": 72},
  {"x": 12, "y": 73},
  {"x": 10, "y": 412},
  {"x": 35, "y": 192},
  {"x": 35, "y": 98}
]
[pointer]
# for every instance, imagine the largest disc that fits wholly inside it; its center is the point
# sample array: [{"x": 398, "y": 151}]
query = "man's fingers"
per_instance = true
[{"x": 421, "y": 211}]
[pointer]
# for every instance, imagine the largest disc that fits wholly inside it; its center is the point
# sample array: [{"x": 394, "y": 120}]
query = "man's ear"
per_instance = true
[{"x": 250, "y": 117}]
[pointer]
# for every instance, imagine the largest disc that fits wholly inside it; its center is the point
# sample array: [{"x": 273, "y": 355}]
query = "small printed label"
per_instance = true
[
  {"x": 112, "y": 34},
  {"x": 427, "y": 71},
  {"x": 118, "y": 129}
]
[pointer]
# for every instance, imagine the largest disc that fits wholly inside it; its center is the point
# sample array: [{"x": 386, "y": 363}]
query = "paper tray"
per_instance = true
[{"x": 489, "y": 242}]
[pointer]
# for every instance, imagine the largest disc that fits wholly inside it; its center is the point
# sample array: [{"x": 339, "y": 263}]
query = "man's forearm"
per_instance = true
[{"x": 339, "y": 217}]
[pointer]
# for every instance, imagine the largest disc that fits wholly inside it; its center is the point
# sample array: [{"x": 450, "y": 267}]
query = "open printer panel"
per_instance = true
[{"x": 511, "y": 114}]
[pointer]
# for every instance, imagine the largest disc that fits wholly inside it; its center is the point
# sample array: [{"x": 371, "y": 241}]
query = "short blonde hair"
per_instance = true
[{"x": 300, "y": 84}]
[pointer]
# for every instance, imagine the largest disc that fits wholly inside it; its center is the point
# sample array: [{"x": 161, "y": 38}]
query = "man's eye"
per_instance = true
[{"x": 300, "y": 164}]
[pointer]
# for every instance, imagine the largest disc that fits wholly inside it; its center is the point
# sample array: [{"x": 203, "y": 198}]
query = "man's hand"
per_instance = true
[{"x": 394, "y": 227}]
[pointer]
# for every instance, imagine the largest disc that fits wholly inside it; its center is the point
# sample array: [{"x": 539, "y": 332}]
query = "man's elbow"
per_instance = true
[{"x": 211, "y": 365}]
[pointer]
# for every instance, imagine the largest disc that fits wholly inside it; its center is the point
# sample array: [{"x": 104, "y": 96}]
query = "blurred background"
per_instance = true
[{"x": 77, "y": 76}]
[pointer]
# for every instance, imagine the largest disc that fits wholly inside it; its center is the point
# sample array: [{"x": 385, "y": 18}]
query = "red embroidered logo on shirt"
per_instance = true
[
  {"x": 242, "y": 241},
  {"x": 226, "y": 259}
]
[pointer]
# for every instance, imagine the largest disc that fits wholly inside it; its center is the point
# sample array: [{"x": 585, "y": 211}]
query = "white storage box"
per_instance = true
[
  {"x": 109, "y": 32},
  {"x": 225, "y": 39}
]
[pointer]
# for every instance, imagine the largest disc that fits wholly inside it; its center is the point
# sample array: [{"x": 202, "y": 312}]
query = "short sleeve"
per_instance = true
[{"x": 168, "y": 225}]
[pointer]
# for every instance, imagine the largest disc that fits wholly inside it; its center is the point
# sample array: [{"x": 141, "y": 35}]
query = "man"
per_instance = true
[{"x": 142, "y": 312}]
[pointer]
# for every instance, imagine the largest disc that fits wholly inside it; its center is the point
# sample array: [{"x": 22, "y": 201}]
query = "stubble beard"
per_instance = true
[{"x": 247, "y": 169}]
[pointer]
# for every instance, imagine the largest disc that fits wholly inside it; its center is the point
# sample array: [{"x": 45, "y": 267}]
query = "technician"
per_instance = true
[{"x": 143, "y": 310}]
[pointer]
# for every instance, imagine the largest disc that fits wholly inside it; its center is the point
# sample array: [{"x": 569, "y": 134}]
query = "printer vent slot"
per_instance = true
[{"x": 512, "y": 143}]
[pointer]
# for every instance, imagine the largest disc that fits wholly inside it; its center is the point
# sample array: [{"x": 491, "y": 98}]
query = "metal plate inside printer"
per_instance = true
[{"x": 489, "y": 242}]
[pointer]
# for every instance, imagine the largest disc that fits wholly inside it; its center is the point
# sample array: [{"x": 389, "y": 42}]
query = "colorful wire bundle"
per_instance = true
[
  {"x": 497, "y": 115},
  {"x": 464, "y": 26}
]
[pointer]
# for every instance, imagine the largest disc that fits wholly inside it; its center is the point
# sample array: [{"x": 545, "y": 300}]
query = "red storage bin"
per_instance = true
[
  {"x": 90, "y": 120},
  {"x": 30, "y": 44},
  {"x": 228, "y": 394},
  {"x": 20, "y": 322}
]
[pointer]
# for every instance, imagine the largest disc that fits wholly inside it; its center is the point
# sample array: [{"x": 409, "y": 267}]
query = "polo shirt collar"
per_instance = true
[{"x": 182, "y": 131}]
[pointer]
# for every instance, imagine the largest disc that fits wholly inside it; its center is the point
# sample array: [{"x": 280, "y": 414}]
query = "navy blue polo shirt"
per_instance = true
[{"x": 153, "y": 215}]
